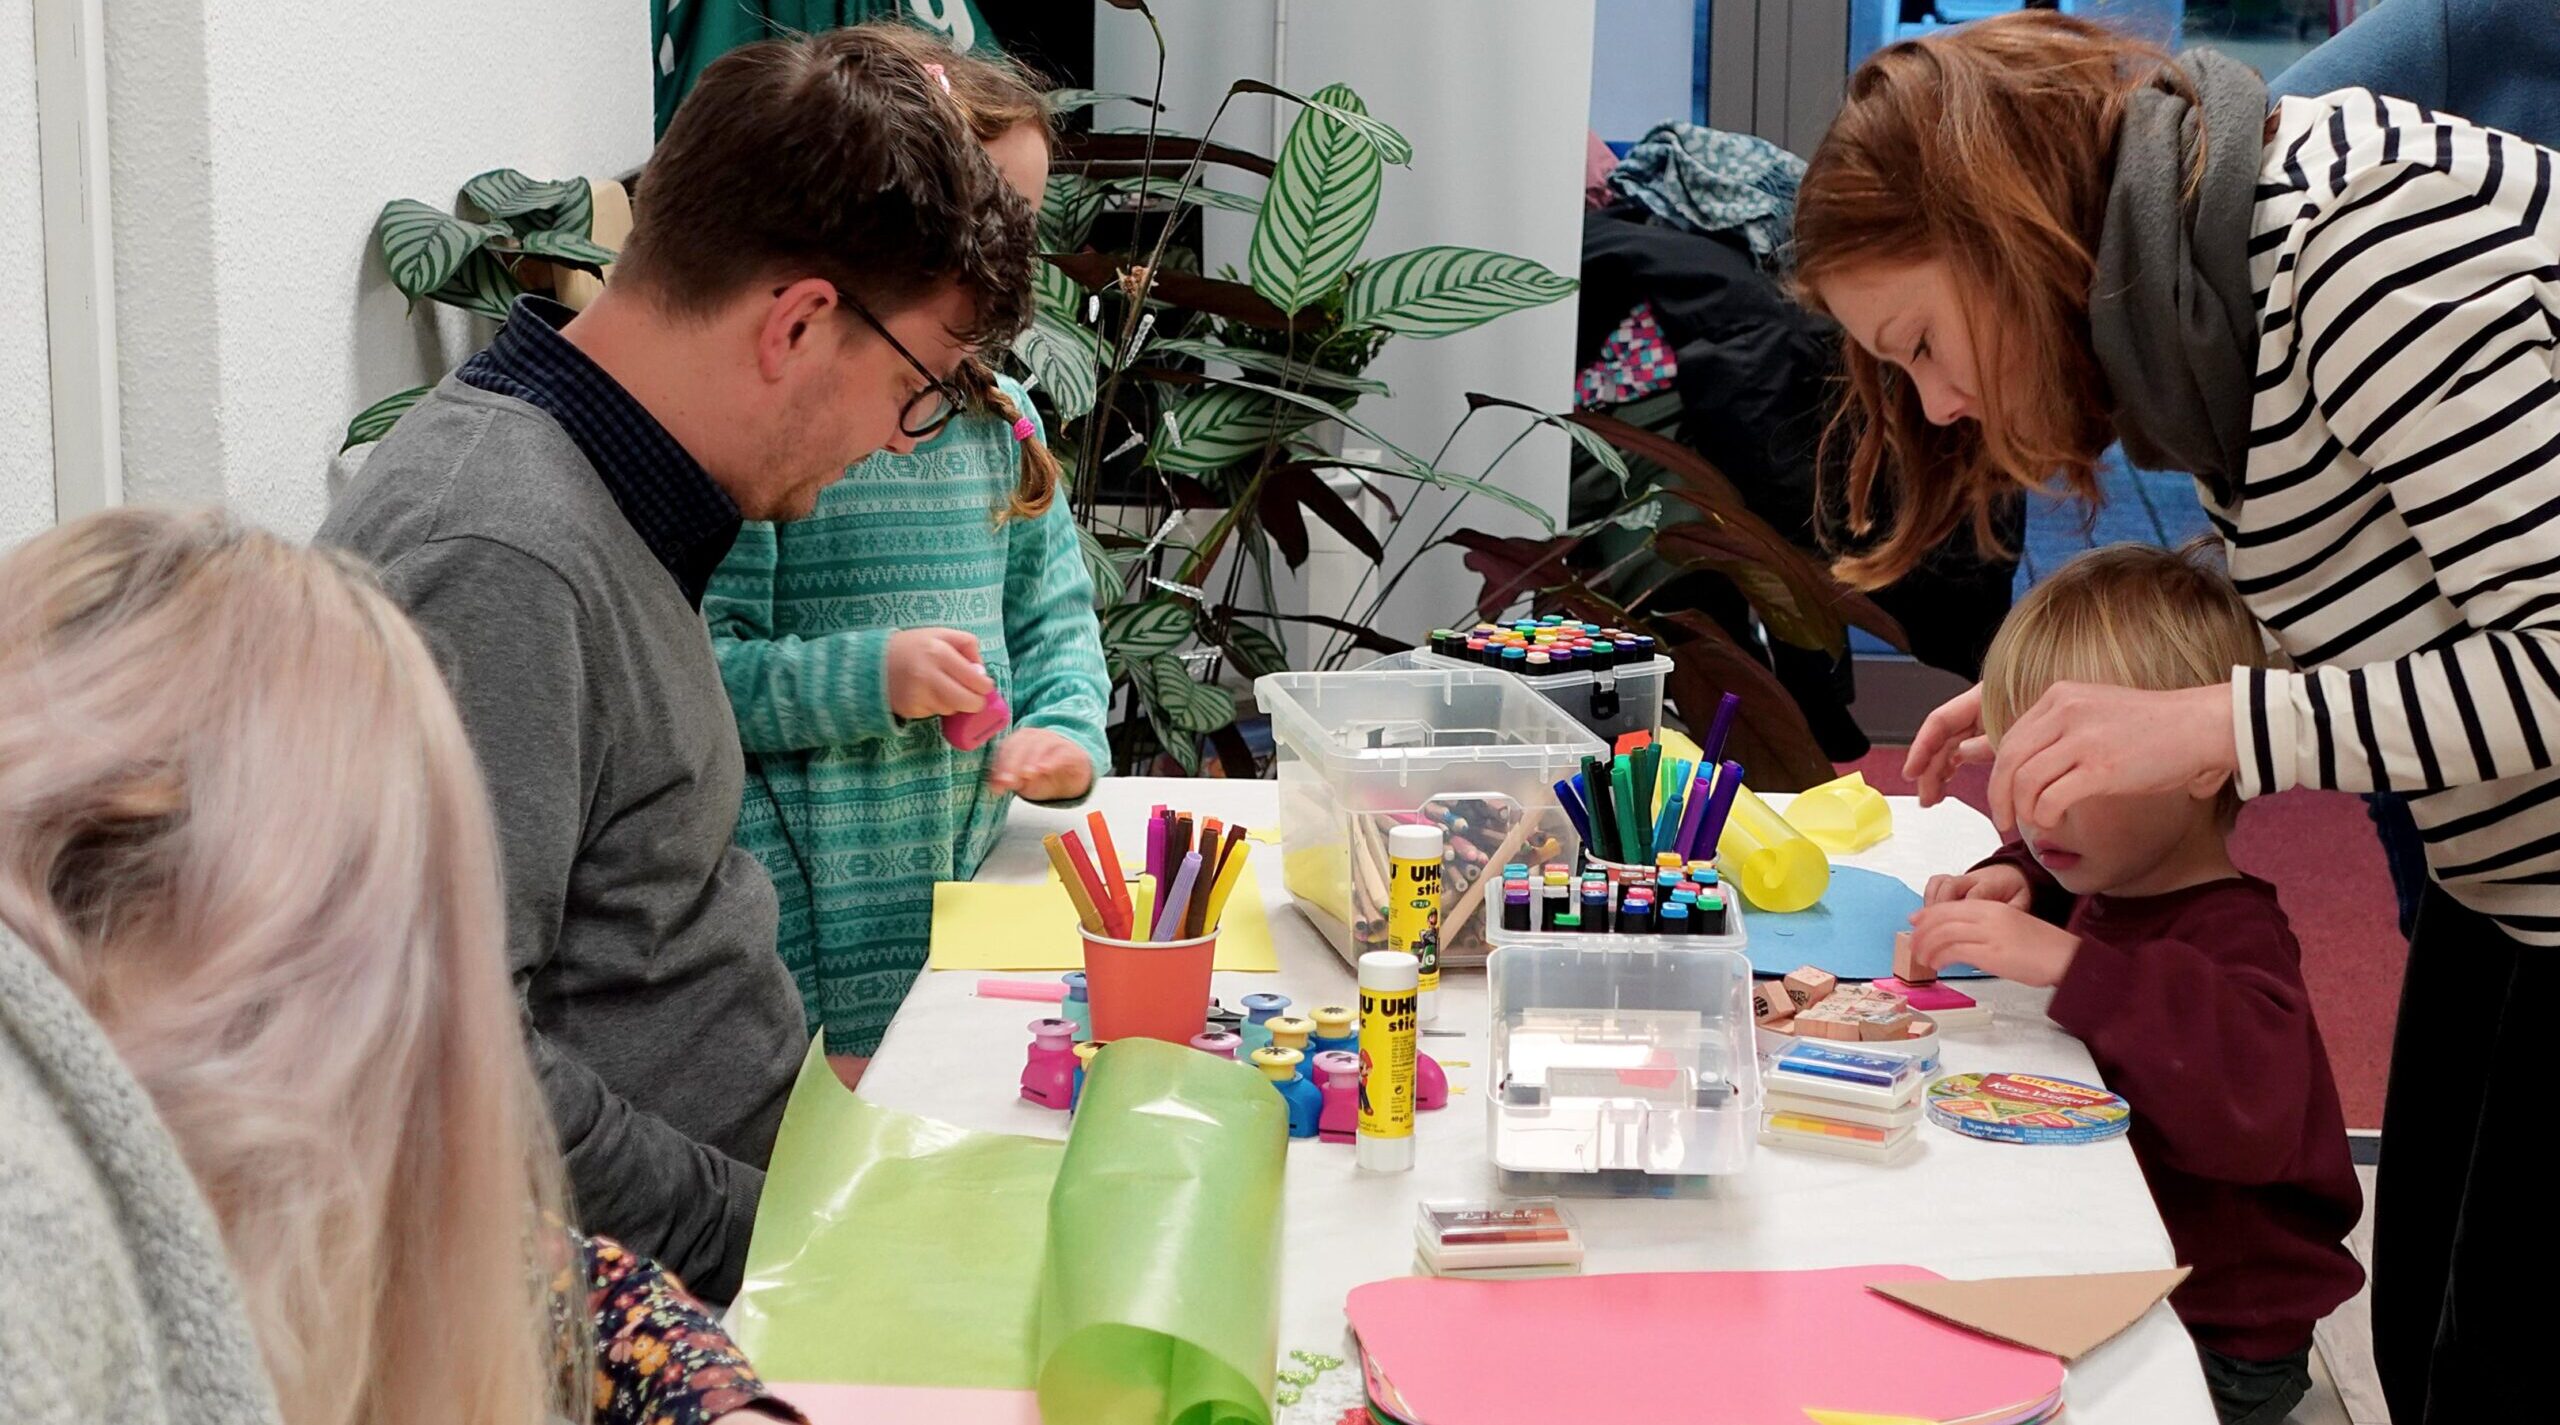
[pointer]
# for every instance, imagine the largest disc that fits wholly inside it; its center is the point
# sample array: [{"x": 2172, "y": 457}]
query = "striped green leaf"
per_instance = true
[
  {"x": 1183, "y": 748},
  {"x": 1063, "y": 357},
  {"x": 1188, "y": 704},
  {"x": 424, "y": 248},
  {"x": 1391, "y": 147},
  {"x": 1110, "y": 580},
  {"x": 375, "y": 421},
  {"x": 1439, "y": 291},
  {"x": 1267, "y": 363},
  {"x": 484, "y": 287},
  {"x": 1322, "y": 199},
  {"x": 1134, "y": 633},
  {"x": 1170, "y": 190},
  {"x": 1067, "y": 210},
  {"x": 1222, "y": 425},
  {"x": 529, "y": 205},
  {"x": 1254, "y": 651},
  {"x": 565, "y": 248},
  {"x": 1056, "y": 292}
]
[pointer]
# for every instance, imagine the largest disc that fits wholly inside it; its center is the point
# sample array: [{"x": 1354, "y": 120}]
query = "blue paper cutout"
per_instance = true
[{"x": 1849, "y": 932}]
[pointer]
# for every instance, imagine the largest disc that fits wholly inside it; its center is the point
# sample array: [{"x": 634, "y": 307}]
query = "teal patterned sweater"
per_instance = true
[{"x": 855, "y": 812}]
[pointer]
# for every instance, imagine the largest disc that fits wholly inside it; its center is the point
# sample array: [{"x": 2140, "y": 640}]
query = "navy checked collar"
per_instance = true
[{"x": 683, "y": 515}]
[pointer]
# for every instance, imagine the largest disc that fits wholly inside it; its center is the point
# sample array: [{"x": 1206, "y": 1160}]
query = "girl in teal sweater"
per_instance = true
[{"x": 932, "y": 572}]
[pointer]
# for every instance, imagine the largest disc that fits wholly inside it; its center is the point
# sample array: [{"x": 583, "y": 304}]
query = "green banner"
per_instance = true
[
  {"x": 686, "y": 35},
  {"x": 1131, "y": 1274}
]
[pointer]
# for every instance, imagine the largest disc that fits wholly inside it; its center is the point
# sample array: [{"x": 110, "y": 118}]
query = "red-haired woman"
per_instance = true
[{"x": 2341, "y": 317}]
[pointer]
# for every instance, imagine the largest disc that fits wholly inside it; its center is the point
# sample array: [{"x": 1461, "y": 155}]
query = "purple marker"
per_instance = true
[
  {"x": 1727, "y": 707},
  {"x": 1695, "y": 813},
  {"x": 1178, "y": 900},
  {"x": 1710, "y": 831}
]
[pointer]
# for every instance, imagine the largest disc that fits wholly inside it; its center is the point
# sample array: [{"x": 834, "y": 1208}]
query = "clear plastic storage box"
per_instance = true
[
  {"x": 1611, "y": 702},
  {"x": 1472, "y": 750},
  {"x": 1622, "y": 1064}
]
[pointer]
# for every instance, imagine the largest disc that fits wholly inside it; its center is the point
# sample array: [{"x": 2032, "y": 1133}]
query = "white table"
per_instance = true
[{"x": 1960, "y": 1207}]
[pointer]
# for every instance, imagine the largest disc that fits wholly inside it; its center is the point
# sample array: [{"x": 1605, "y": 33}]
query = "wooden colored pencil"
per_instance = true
[{"x": 1078, "y": 889}]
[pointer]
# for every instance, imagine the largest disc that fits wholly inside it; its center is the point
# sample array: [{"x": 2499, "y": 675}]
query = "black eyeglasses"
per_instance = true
[{"x": 930, "y": 409}]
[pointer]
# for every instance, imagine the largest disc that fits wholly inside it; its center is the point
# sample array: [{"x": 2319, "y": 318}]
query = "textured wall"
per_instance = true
[
  {"x": 253, "y": 146},
  {"x": 26, "y": 416}
]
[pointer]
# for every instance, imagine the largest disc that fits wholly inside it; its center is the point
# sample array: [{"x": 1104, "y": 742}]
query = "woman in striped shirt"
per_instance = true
[{"x": 2341, "y": 317}]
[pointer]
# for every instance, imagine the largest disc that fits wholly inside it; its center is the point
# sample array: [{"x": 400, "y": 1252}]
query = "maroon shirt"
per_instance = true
[{"x": 2193, "y": 1006}]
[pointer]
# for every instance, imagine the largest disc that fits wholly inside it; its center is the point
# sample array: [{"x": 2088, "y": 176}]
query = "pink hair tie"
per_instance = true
[
  {"x": 939, "y": 77},
  {"x": 1023, "y": 429}
]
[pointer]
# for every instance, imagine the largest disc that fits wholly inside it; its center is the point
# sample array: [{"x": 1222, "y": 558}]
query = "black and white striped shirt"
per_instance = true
[{"x": 2398, "y": 529}]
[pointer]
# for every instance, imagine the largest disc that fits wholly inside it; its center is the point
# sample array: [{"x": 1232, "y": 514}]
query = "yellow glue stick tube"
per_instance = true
[
  {"x": 1774, "y": 864},
  {"x": 1388, "y": 1070}
]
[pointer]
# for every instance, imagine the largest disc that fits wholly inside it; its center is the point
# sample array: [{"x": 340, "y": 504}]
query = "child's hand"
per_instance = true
[
  {"x": 2002, "y": 882},
  {"x": 1993, "y": 936},
  {"x": 934, "y": 672},
  {"x": 1040, "y": 766}
]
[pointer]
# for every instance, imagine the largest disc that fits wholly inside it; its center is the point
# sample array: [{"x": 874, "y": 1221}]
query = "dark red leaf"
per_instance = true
[
  {"x": 1169, "y": 148},
  {"x": 1097, "y": 271},
  {"x": 1512, "y": 565},
  {"x": 1696, "y": 470},
  {"x": 1189, "y": 493},
  {"x": 1298, "y": 485},
  {"x": 1362, "y": 636},
  {"x": 1235, "y": 755},
  {"x": 1771, "y": 738}
]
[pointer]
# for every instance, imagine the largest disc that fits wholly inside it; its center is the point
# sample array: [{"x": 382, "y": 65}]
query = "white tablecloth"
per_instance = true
[{"x": 1960, "y": 1207}]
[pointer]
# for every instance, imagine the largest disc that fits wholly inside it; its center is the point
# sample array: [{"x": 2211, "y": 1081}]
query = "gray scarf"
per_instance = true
[{"x": 2172, "y": 315}]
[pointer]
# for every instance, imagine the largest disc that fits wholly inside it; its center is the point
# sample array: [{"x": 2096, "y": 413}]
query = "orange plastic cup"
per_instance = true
[{"x": 1143, "y": 990}]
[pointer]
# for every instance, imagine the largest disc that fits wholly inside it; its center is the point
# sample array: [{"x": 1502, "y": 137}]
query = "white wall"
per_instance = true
[
  {"x": 1496, "y": 97},
  {"x": 252, "y": 146},
  {"x": 26, "y": 413}
]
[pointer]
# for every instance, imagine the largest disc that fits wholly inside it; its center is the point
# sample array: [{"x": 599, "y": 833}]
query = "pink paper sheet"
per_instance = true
[
  {"x": 1760, "y": 1347},
  {"x": 910, "y": 1405}
]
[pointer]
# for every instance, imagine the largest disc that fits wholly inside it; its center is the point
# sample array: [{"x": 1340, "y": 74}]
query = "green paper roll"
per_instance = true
[{"x": 1130, "y": 1275}]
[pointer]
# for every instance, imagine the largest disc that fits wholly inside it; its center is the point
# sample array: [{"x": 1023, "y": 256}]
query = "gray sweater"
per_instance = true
[
  {"x": 664, "y": 1026},
  {"x": 120, "y": 1304}
]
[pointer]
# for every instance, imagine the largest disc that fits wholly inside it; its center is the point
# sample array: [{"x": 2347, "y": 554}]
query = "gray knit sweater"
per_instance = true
[{"x": 120, "y": 1304}]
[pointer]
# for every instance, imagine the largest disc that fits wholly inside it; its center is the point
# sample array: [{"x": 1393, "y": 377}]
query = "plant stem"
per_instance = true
[{"x": 1431, "y": 539}]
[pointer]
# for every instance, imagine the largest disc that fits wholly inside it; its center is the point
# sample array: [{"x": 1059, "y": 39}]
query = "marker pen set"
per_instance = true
[
  {"x": 1672, "y": 897},
  {"x": 1633, "y": 807},
  {"x": 1540, "y": 646}
]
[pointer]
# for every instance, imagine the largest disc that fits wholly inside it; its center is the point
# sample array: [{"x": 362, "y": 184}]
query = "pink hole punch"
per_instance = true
[{"x": 971, "y": 731}]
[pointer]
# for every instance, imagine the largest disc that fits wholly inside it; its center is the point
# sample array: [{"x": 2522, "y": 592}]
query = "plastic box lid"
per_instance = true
[{"x": 1414, "y": 723}]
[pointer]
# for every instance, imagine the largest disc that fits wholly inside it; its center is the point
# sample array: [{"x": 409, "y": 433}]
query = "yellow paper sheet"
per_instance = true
[{"x": 980, "y": 925}]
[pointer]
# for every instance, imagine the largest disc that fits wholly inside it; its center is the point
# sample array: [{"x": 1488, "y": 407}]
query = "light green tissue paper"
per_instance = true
[{"x": 1131, "y": 1274}]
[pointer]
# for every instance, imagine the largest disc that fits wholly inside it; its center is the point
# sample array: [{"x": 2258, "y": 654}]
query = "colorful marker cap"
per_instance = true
[
  {"x": 1075, "y": 985},
  {"x": 1259, "y": 1008},
  {"x": 1217, "y": 1042},
  {"x": 1337, "y": 1064},
  {"x": 1333, "y": 1021},
  {"x": 1290, "y": 1031},
  {"x": 1056, "y": 1035}
]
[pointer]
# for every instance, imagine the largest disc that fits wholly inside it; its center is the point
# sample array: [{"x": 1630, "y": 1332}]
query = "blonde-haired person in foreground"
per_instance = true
[
  {"x": 270, "y": 1148},
  {"x": 2180, "y": 973}
]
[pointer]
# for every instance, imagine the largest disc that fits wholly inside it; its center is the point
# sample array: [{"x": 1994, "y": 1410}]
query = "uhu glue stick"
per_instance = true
[
  {"x": 1387, "y": 1029},
  {"x": 1413, "y": 905}
]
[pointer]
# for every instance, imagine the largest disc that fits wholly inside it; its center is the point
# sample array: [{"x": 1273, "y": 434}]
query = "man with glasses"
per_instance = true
[{"x": 819, "y": 244}]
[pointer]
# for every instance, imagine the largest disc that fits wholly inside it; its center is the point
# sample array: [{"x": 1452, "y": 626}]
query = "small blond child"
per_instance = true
[{"x": 2179, "y": 973}]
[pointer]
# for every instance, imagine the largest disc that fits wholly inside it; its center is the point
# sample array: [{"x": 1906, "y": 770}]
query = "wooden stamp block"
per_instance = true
[
  {"x": 1808, "y": 986},
  {"x": 1906, "y": 965}
]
